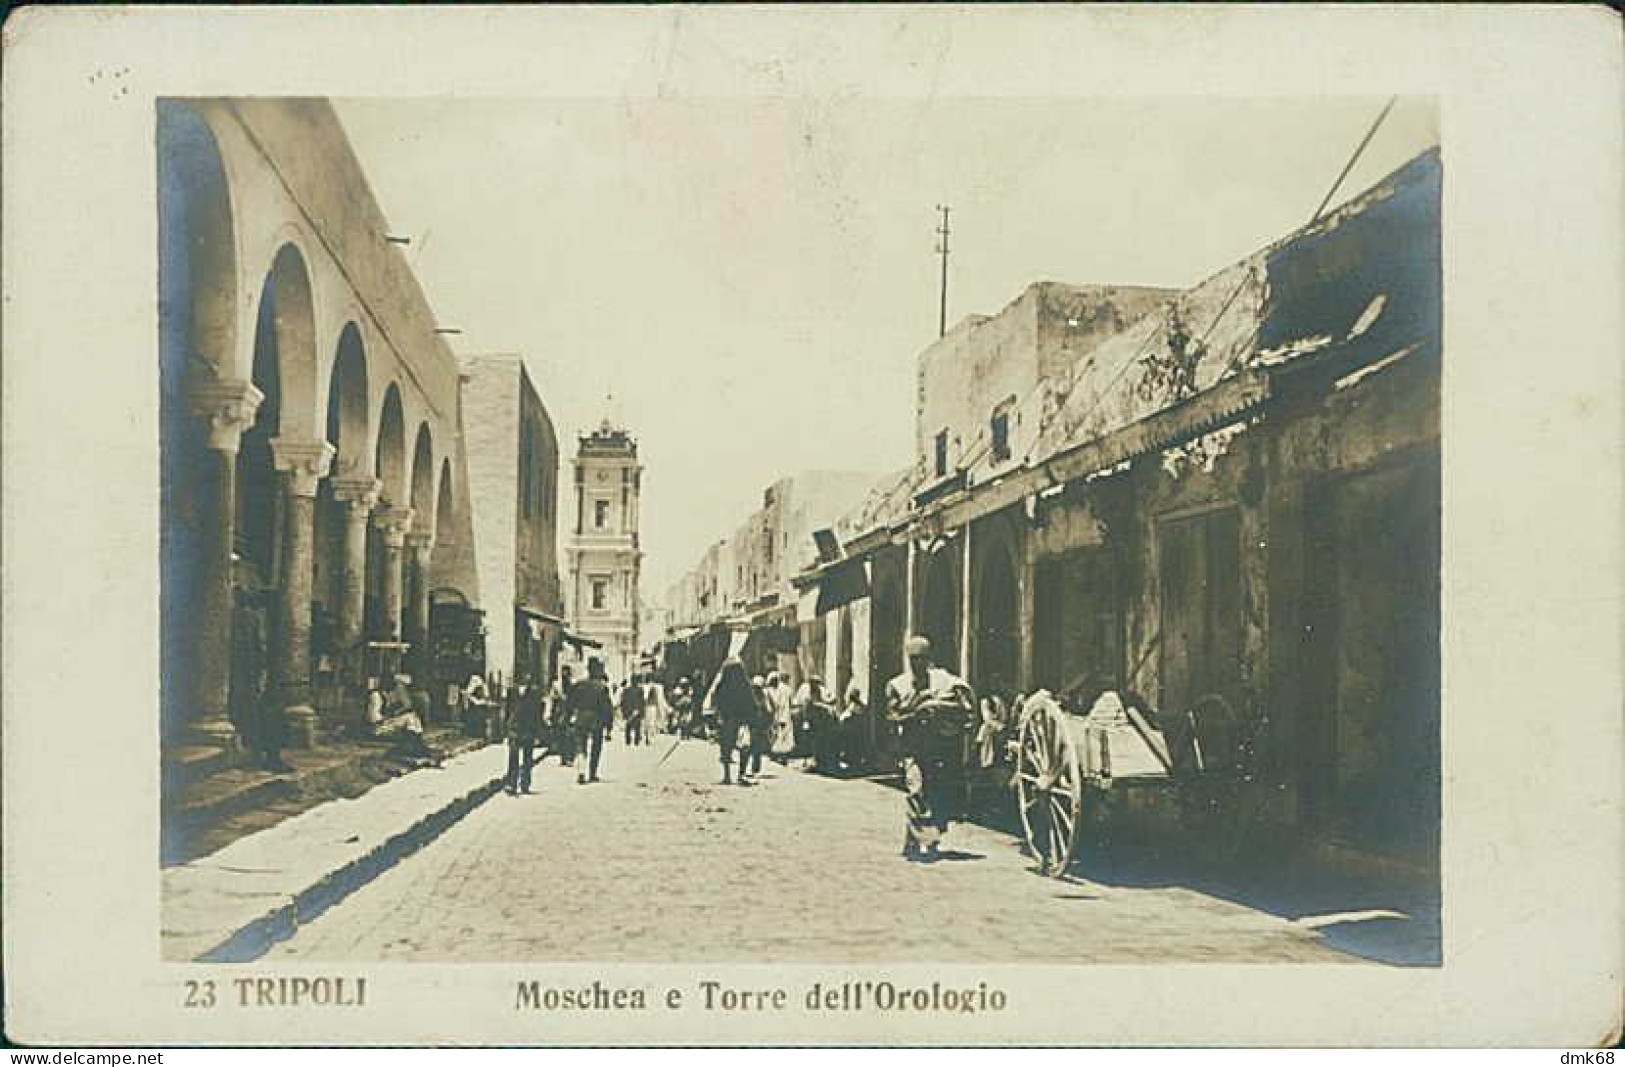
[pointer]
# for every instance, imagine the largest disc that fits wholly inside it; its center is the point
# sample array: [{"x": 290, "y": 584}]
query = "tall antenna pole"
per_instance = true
[
  {"x": 942, "y": 250},
  {"x": 1372, "y": 132}
]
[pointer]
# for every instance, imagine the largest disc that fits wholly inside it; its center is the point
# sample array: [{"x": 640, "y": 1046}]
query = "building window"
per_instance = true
[
  {"x": 942, "y": 454},
  {"x": 600, "y": 514},
  {"x": 600, "y": 594},
  {"x": 999, "y": 431}
]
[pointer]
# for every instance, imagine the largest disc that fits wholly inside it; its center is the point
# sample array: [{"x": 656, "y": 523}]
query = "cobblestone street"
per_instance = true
[{"x": 658, "y": 863}]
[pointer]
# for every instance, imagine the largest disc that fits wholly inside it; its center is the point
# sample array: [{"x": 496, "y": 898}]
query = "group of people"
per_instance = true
[
  {"x": 572, "y": 717},
  {"x": 398, "y": 712},
  {"x": 930, "y": 708},
  {"x": 762, "y": 717},
  {"x": 644, "y": 709},
  {"x": 755, "y": 719},
  {"x": 575, "y": 719}
]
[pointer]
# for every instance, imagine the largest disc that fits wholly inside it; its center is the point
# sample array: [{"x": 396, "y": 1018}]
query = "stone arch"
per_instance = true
[
  {"x": 198, "y": 261},
  {"x": 198, "y": 297},
  {"x": 286, "y": 319},
  {"x": 258, "y": 527},
  {"x": 348, "y": 418},
  {"x": 423, "y": 478},
  {"x": 445, "y": 505},
  {"x": 389, "y": 453}
]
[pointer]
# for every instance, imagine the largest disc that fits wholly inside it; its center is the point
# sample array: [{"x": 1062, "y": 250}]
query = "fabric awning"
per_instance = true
[
  {"x": 841, "y": 584},
  {"x": 807, "y": 606}
]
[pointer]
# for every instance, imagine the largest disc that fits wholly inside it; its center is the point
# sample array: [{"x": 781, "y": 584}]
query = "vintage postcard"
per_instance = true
[{"x": 825, "y": 525}]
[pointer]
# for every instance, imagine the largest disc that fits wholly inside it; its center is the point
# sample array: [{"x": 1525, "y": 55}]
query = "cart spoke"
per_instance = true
[{"x": 1037, "y": 757}]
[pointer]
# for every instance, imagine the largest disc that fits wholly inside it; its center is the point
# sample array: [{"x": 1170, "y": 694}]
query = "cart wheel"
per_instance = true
[{"x": 1049, "y": 786}]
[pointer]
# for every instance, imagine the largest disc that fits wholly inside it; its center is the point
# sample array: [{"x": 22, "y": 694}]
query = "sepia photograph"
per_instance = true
[
  {"x": 813, "y": 526},
  {"x": 1068, "y": 595}
]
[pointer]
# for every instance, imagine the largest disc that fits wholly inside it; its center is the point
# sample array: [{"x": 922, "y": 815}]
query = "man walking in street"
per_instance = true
[
  {"x": 558, "y": 717},
  {"x": 761, "y": 726},
  {"x": 656, "y": 711},
  {"x": 933, "y": 708},
  {"x": 632, "y": 710},
  {"x": 591, "y": 713},
  {"x": 523, "y": 728},
  {"x": 734, "y": 699}
]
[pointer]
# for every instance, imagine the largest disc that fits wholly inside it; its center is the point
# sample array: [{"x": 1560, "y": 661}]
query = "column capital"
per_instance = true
[
  {"x": 392, "y": 521},
  {"x": 420, "y": 541},
  {"x": 228, "y": 406},
  {"x": 306, "y": 461},
  {"x": 360, "y": 491}
]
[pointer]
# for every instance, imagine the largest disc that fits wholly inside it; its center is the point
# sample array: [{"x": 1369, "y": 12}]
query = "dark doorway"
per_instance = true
[
  {"x": 1078, "y": 627},
  {"x": 888, "y": 598},
  {"x": 998, "y": 624},
  {"x": 1199, "y": 569},
  {"x": 937, "y": 607},
  {"x": 1371, "y": 771}
]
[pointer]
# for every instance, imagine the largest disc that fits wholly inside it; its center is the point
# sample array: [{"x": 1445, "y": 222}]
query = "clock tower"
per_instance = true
[{"x": 603, "y": 552}]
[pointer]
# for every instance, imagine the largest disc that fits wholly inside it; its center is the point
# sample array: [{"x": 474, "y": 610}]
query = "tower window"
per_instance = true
[
  {"x": 600, "y": 514},
  {"x": 600, "y": 594},
  {"x": 941, "y": 449}
]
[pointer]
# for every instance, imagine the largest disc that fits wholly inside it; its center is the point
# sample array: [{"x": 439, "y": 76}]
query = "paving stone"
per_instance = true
[
  {"x": 210, "y": 899},
  {"x": 657, "y": 863}
]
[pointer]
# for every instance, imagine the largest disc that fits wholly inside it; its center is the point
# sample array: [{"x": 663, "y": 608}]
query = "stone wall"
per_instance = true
[
  {"x": 454, "y": 564},
  {"x": 314, "y": 162},
  {"x": 537, "y": 562},
  {"x": 491, "y": 435},
  {"x": 983, "y": 362},
  {"x": 1272, "y": 475}
]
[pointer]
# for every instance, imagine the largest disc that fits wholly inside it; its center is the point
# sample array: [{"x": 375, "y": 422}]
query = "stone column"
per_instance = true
[
  {"x": 302, "y": 464},
  {"x": 967, "y": 632},
  {"x": 358, "y": 494},
  {"x": 1026, "y": 603},
  {"x": 392, "y": 523},
  {"x": 419, "y": 546},
  {"x": 228, "y": 407}
]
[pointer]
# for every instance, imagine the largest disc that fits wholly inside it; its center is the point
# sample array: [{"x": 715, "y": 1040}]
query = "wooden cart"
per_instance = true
[{"x": 1063, "y": 763}]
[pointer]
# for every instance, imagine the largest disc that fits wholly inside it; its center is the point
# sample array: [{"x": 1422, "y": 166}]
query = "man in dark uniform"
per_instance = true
[
  {"x": 523, "y": 728},
  {"x": 591, "y": 713},
  {"x": 633, "y": 709},
  {"x": 933, "y": 708}
]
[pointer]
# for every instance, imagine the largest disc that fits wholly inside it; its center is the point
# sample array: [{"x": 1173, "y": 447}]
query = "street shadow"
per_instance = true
[
  {"x": 953, "y": 855},
  {"x": 1383, "y": 919}
]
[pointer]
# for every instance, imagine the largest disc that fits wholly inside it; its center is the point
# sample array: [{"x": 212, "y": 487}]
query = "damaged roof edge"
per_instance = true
[{"x": 1425, "y": 166}]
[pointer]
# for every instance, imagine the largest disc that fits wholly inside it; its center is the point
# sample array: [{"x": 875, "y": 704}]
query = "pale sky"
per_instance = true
[{"x": 752, "y": 278}]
